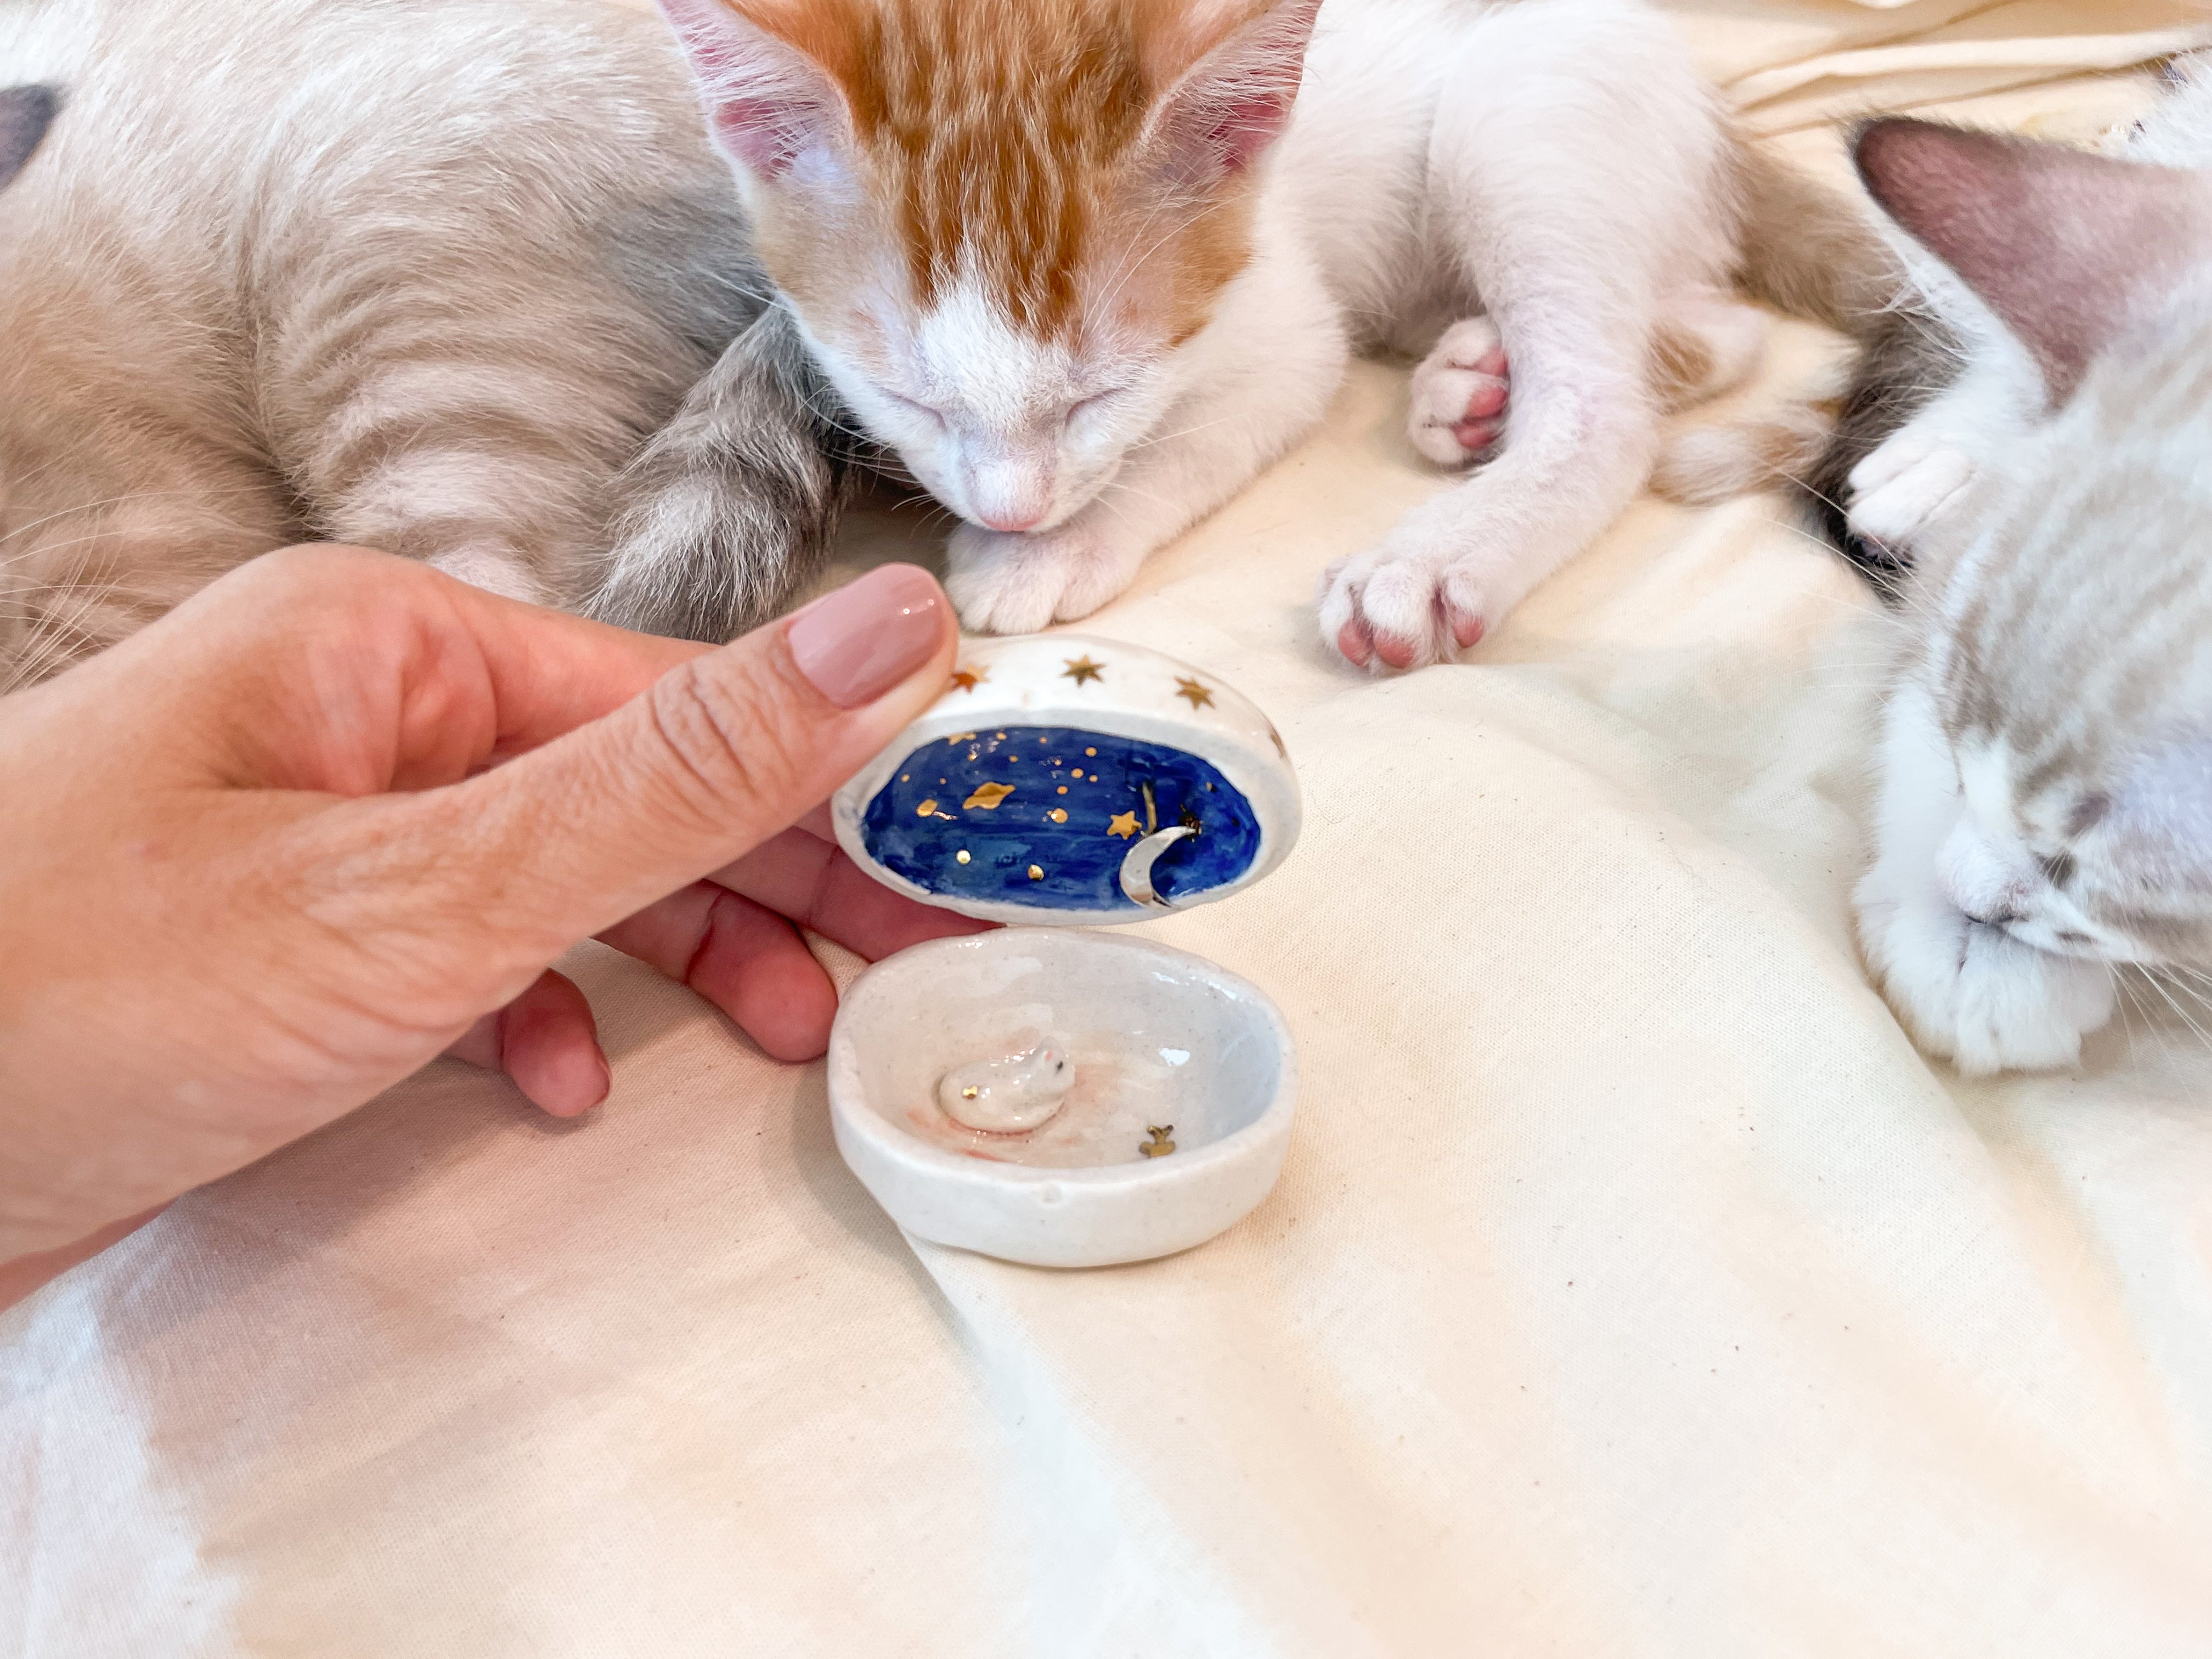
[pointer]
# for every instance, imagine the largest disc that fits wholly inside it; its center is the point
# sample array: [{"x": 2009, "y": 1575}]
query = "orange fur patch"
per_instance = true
[{"x": 1000, "y": 139}]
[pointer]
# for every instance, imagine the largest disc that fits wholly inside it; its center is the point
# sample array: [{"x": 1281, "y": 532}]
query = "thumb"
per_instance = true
[{"x": 712, "y": 759}]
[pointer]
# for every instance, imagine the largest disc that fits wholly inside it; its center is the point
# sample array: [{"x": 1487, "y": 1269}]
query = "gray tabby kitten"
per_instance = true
[
  {"x": 457, "y": 278},
  {"x": 2046, "y": 806}
]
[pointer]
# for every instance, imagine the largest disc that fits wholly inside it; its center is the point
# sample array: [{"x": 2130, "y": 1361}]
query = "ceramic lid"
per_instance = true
[{"x": 1066, "y": 779}]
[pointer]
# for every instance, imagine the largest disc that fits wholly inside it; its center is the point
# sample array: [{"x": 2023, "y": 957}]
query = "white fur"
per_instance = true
[
  {"x": 1922, "y": 476},
  {"x": 1967, "y": 989},
  {"x": 1986, "y": 958},
  {"x": 1551, "y": 176},
  {"x": 1235, "y": 396},
  {"x": 1447, "y": 386},
  {"x": 1556, "y": 168}
]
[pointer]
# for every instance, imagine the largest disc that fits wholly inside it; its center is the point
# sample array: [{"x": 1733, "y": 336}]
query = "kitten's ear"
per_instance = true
[
  {"x": 2059, "y": 244},
  {"x": 767, "y": 73},
  {"x": 1231, "y": 69},
  {"x": 26, "y": 113}
]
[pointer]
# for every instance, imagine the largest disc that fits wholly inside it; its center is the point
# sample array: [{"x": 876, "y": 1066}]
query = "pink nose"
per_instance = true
[{"x": 1011, "y": 521}]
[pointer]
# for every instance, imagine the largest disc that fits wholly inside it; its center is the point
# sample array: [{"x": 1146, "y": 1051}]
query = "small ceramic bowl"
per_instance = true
[{"x": 1175, "y": 1128}]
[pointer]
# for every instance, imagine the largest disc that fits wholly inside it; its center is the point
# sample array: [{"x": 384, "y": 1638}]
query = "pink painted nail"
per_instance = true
[{"x": 857, "y": 643}]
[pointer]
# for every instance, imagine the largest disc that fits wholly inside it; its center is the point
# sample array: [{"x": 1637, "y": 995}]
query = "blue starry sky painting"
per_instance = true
[{"x": 1044, "y": 816}]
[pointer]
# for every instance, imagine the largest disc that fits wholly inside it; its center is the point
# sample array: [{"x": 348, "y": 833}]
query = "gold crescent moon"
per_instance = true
[{"x": 1136, "y": 868}]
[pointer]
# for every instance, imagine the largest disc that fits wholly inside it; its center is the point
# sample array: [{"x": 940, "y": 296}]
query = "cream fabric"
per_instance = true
[{"x": 1633, "y": 1287}]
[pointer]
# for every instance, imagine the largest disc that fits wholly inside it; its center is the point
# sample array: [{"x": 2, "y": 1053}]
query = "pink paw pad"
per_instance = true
[
  {"x": 1399, "y": 653},
  {"x": 1483, "y": 422}
]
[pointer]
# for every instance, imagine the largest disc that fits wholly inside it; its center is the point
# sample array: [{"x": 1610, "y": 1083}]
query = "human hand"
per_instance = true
[{"x": 337, "y": 814}]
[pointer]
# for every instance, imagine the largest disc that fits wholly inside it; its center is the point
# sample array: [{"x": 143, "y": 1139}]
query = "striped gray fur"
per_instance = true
[
  {"x": 723, "y": 509},
  {"x": 2043, "y": 814},
  {"x": 432, "y": 276}
]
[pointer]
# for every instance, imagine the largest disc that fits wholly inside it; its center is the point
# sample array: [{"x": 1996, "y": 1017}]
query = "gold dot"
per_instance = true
[
  {"x": 906, "y": 777},
  {"x": 1091, "y": 752},
  {"x": 925, "y": 809},
  {"x": 962, "y": 855},
  {"x": 969, "y": 1093},
  {"x": 1075, "y": 772},
  {"x": 1063, "y": 788},
  {"x": 1002, "y": 736},
  {"x": 1059, "y": 815},
  {"x": 1035, "y": 874}
]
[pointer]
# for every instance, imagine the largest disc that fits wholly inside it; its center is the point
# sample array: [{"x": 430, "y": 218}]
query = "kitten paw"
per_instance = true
[
  {"x": 1460, "y": 393},
  {"x": 1971, "y": 992},
  {"x": 1399, "y": 607},
  {"x": 1018, "y": 584},
  {"x": 1905, "y": 487}
]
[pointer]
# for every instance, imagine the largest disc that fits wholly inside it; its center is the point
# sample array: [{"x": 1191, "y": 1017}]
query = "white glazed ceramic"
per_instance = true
[
  {"x": 1067, "y": 683},
  {"x": 1161, "y": 1039}
]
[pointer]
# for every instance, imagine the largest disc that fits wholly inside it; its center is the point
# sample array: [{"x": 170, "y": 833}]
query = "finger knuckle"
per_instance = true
[{"x": 722, "y": 746}]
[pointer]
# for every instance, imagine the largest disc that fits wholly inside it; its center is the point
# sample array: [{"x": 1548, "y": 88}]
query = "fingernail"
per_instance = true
[{"x": 856, "y": 644}]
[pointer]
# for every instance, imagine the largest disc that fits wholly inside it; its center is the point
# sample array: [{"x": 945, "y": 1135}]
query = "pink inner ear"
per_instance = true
[
  {"x": 1238, "y": 98},
  {"x": 767, "y": 134},
  {"x": 2057, "y": 242},
  {"x": 1242, "y": 128},
  {"x": 766, "y": 101}
]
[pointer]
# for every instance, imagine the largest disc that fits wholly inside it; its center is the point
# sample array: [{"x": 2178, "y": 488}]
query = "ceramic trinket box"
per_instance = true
[{"x": 1044, "y": 1092}]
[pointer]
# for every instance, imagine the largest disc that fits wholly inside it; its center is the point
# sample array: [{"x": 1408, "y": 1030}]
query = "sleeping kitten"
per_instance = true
[
  {"x": 420, "y": 274},
  {"x": 2045, "y": 805},
  {"x": 1087, "y": 265}
]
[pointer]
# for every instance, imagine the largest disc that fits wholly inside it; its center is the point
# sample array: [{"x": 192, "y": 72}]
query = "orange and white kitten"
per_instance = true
[{"x": 1087, "y": 265}]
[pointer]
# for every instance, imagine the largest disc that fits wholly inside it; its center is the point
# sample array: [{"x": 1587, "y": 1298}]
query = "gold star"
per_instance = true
[
  {"x": 1080, "y": 669},
  {"x": 988, "y": 795},
  {"x": 1200, "y": 696},
  {"x": 1124, "y": 826},
  {"x": 1159, "y": 1146},
  {"x": 967, "y": 679}
]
